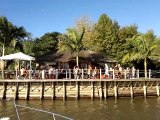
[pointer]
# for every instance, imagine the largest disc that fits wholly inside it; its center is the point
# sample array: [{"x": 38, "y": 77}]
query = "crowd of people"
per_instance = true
[{"x": 92, "y": 72}]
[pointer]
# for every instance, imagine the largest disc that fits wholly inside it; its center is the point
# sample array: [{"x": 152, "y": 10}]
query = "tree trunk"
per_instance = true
[
  {"x": 77, "y": 61},
  {"x": 145, "y": 67},
  {"x": 3, "y": 50}
]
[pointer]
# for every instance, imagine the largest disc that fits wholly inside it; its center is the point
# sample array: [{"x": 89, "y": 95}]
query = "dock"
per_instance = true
[{"x": 79, "y": 88}]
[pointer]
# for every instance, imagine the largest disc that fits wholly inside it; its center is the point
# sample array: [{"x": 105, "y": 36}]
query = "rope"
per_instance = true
[
  {"x": 16, "y": 110},
  {"x": 42, "y": 111}
]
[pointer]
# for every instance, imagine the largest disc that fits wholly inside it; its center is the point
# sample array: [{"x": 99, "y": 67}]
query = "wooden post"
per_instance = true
[
  {"x": 100, "y": 90},
  {"x": 4, "y": 90},
  {"x": 125, "y": 74},
  {"x": 82, "y": 73},
  {"x": 27, "y": 91},
  {"x": 131, "y": 89},
  {"x": 42, "y": 91},
  {"x": 100, "y": 73},
  {"x": 149, "y": 73},
  {"x": 115, "y": 89},
  {"x": 157, "y": 87},
  {"x": 137, "y": 73},
  {"x": 105, "y": 90},
  {"x": 66, "y": 74},
  {"x": 64, "y": 90},
  {"x": 69, "y": 73},
  {"x": 77, "y": 90},
  {"x": 113, "y": 74},
  {"x": 92, "y": 90},
  {"x": 144, "y": 89},
  {"x": 53, "y": 90},
  {"x": 16, "y": 91}
]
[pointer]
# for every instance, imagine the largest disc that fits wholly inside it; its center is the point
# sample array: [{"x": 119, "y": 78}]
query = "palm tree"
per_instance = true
[
  {"x": 72, "y": 42},
  {"x": 141, "y": 48},
  {"x": 10, "y": 35}
]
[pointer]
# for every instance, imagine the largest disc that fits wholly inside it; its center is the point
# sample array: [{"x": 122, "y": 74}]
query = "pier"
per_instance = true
[{"x": 79, "y": 88}]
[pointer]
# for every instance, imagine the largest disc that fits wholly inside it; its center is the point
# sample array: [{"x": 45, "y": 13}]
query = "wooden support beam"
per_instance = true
[
  {"x": 105, "y": 90},
  {"x": 144, "y": 89},
  {"x": 115, "y": 90},
  {"x": 27, "y": 91},
  {"x": 131, "y": 89},
  {"x": 64, "y": 90},
  {"x": 77, "y": 90},
  {"x": 42, "y": 91},
  {"x": 100, "y": 90},
  {"x": 4, "y": 90},
  {"x": 157, "y": 88},
  {"x": 53, "y": 90},
  {"x": 16, "y": 91},
  {"x": 92, "y": 90}
]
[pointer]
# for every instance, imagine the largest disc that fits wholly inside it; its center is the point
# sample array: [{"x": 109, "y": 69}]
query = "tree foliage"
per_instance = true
[
  {"x": 48, "y": 42},
  {"x": 142, "y": 47},
  {"x": 105, "y": 36},
  {"x": 72, "y": 41}
]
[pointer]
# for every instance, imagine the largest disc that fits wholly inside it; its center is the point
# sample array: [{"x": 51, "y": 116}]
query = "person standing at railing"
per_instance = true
[
  {"x": 23, "y": 72},
  {"x": 43, "y": 73},
  {"x": 89, "y": 72},
  {"x": 106, "y": 71},
  {"x": 95, "y": 73},
  {"x": 50, "y": 72},
  {"x": 75, "y": 72},
  {"x": 133, "y": 72}
]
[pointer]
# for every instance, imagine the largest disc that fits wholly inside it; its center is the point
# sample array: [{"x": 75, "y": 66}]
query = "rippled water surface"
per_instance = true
[{"x": 86, "y": 109}]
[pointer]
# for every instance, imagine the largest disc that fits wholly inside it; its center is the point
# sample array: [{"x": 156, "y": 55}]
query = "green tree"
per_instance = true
[
  {"x": 105, "y": 36},
  {"x": 72, "y": 41},
  {"x": 47, "y": 43},
  {"x": 82, "y": 23},
  {"x": 142, "y": 47},
  {"x": 124, "y": 34},
  {"x": 10, "y": 35}
]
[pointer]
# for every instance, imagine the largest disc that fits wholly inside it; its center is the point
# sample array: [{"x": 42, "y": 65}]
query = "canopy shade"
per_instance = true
[{"x": 17, "y": 56}]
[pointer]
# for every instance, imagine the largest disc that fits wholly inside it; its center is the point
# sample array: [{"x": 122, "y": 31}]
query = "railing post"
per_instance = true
[
  {"x": 82, "y": 73},
  {"x": 69, "y": 73},
  {"x": 100, "y": 72},
  {"x": 125, "y": 75},
  {"x": 113, "y": 74},
  {"x": 137, "y": 73},
  {"x": 66, "y": 74},
  {"x": 157, "y": 87},
  {"x": 56, "y": 72},
  {"x": 149, "y": 73}
]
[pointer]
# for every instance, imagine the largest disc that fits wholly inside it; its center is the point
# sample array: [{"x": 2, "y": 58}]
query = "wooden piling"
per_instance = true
[
  {"x": 144, "y": 89},
  {"x": 16, "y": 91},
  {"x": 115, "y": 90},
  {"x": 100, "y": 90},
  {"x": 92, "y": 90},
  {"x": 53, "y": 90},
  {"x": 157, "y": 87},
  {"x": 4, "y": 90},
  {"x": 27, "y": 91},
  {"x": 105, "y": 90},
  {"x": 42, "y": 91},
  {"x": 131, "y": 89},
  {"x": 77, "y": 90},
  {"x": 64, "y": 90}
]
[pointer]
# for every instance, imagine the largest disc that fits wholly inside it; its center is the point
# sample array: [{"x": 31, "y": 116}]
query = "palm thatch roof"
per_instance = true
[{"x": 89, "y": 56}]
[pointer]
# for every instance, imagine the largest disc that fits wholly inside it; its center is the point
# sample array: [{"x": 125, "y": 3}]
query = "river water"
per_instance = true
[{"x": 85, "y": 109}]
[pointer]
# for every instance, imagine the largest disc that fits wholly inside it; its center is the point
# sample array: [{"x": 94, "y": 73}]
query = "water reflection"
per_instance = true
[{"x": 85, "y": 109}]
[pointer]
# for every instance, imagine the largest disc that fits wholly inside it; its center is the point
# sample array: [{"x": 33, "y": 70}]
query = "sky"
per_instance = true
[{"x": 41, "y": 16}]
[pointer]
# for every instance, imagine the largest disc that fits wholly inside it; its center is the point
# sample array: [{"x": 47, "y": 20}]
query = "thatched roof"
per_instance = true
[{"x": 84, "y": 56}]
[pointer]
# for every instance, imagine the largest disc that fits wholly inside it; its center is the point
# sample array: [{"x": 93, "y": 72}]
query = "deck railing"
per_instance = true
[{"x": 82, "y": 74}]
